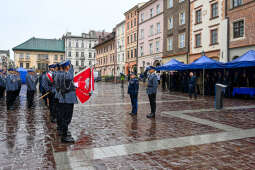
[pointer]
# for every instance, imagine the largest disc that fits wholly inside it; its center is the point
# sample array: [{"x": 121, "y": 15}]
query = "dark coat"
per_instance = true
[{"x": 133, "y": 86}]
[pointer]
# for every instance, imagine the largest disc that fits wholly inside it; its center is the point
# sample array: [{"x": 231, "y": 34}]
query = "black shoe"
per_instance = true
[
  {"x": 151, "y": 115},
  {"x": 133, "y": 114},
  {"x": 67, "y": 139}
]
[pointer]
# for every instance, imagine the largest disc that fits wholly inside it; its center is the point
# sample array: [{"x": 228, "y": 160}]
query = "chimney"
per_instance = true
[{"x": 68, "y": 34}]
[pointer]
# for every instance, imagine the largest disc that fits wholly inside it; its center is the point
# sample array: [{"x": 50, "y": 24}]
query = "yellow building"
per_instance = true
[{"x": 39, "y": 53}]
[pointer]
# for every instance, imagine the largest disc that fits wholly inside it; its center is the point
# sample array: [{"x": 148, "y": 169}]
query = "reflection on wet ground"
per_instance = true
[{"x": 186, "y": 134}]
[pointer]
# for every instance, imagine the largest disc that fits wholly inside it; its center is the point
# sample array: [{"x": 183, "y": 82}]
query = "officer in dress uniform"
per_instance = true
[
  {"x": 67, "y": 99},
  {"x": 10, "y": 88},
  {"x": 152, "y": 91},
  {"x": 2, "y": 84},
  {"x": 31, "y": 80},
  {"x": 19, "y": 83},
  {"x": 133, "y": 88},
  {"x": 48, "y": 86}
]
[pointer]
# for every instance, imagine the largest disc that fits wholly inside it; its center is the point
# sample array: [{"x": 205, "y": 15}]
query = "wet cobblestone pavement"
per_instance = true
[{"x": 186, "y": 134}]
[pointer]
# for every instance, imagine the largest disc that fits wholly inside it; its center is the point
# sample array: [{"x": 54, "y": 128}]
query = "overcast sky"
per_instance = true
[{"x": 23, "y": 19}]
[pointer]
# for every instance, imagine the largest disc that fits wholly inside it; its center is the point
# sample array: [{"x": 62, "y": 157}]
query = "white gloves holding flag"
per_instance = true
[{"x": 76, "y": 84}]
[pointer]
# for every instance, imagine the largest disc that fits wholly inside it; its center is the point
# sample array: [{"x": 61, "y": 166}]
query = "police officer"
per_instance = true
[
  {"x": 2, "y": 84},
  {"x": 152, "y": 91},
  {"x": 133, "y": 88},
  {"x": 67, "y": 99},
  {"x": 10, "y": 88},
  {"x": 31, "y": 81},
  {"x": 48, "y": 86}
]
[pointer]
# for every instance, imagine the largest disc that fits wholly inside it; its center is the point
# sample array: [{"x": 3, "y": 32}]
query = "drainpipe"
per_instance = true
[
  {"x": 228, "y": 34},
  {"x": 188, "y": 50}
]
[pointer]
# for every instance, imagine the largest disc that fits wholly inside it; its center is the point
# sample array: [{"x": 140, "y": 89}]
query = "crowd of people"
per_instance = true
[
  {"x": 179, "y": 81},
  {"x": 57, "y": 89}
]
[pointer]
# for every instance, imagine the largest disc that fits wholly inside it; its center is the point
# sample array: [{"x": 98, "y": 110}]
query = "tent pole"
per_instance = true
[
  {"x": 203, "y": 82},
  {"x": 169, "y": 81}
]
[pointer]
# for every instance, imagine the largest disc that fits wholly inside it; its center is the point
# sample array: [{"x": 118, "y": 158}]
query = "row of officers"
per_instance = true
[{"x": 57, "y": 89}]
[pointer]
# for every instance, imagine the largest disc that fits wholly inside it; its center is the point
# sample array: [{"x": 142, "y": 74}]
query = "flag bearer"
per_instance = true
[{"x": 67, "y": 99}]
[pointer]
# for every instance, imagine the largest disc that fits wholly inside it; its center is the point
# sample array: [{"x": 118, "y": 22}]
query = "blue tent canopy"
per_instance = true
[
  {"x": 171, "y": 65},
  {"x": 23, "y": 73},
  {"x": 246, "y": 60},
  {"x": 203, "y": 62}
]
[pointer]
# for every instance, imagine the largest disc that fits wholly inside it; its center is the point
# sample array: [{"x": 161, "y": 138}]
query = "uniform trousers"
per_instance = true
[
  {"x": 52, "y": 107},
  {"x": 58, "y": 114},
  {"x": 66, "y": 114},
  {"x": 30, "y": 97},
  {"x": 10, "y": 97},
  {"x": 152, "y": 98},
  {"x": 2, "y": 91},
  {"x": 192, "y": 90},
  {"x": 133, "y": 98}
]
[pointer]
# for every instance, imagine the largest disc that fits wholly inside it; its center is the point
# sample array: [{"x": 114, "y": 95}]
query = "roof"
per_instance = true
[
  {"x": 144, "y": 5},
  {"x": 106, "y": 39},
  {"x": 38, "y": 44}
]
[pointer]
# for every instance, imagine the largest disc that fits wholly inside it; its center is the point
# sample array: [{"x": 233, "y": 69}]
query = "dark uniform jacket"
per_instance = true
[
  {"x": 152, "y": 84},
  {"x": 133, "y": 86}
]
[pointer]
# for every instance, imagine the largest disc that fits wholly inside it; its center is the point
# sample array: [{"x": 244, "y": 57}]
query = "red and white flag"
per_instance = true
[{"x": 84, "y": 81}]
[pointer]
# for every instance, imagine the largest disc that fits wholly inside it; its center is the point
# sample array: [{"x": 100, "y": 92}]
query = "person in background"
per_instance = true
[
  {"x": 133, "y": 88},
  {"x": 164, "y": 80},
  {"x": 152, "y": 91},
  {"x": 158, "y": 77},
  {"x": 192, "y": 85},
  {"x": 31, "y": 81},
  {"x": 122, "y": 79},
  {"x": 2, "y": 84}
]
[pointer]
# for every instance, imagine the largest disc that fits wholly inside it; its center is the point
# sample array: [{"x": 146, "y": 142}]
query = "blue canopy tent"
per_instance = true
[
  {"x": 169, "y": 66},
  {"x": 23, "y": 73},
  {"x": 246, "y": 60}
]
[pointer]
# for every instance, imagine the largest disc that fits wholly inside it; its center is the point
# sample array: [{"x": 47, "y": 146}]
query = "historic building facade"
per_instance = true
[
  {"x": 176, "y": 30},
  {"x": 150, "y": 40},
  {"x": 208, "y": 30},
  {"x": 106, "y": 55},
  {"x": 120, "y": 48},
  {"x": 39, "y": 53},
  {"x": 4, "y": 59},
  {"x": 131, "y": 35},
  {"x": 241, "y": 27},
  {"x": 79, "y": 49}
]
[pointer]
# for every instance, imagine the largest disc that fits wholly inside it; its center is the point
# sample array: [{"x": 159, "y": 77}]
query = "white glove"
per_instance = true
[{"x": 76, "y": 85}]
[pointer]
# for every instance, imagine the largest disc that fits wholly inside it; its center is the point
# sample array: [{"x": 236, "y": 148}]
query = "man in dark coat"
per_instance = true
[
  {"x": 133, "y": 88},
  {"x": 192, "y": 86}
]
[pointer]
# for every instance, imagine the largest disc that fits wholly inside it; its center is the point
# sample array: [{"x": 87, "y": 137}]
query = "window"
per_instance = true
[
  {"x": 169, "y": 43},
  {"x": 39, "y": 66},
  {"x": 122, "y": 57},
  {"x": 62, "y": 57},
  {"x": 82, "y": 54},
  {"x": 151, "y": 12},
  {"x": 142, "y": 33},
  {"x": 181, "y": 1},
  {"x": 77, "y": 44},
  {"x": 237, "y": 3},
  {"x": 132, "y": 54},
  {"x": 214, "y": 36},
  {"x": 70, "y": 44},
  {"x": 21, "y": 65},
  {"x": 182, "y": 18},
  {"x": 141, "y": 51},
  {"x": 135, "y": 53},
  {"x": 158, "y": 28},
  {"x": 198, "y": 40},
  {"x": 131, "y": 24},
  {"x": 131, "y": 38},
  {"x": 128, "y": 26},
  {"x": 128, "y": 39},
  {"x": 158, "y": 9},
  {"x": 21, "y": 56},
  {"x": 90, "y": 63},
  {"x": 151, "y": 48},
  {"x": 82, "y": 62},
  {"x": 182, "y": 40},
  {"x": 90, "y": 55},
  {"x": 28, "y": 56},
  {"x": 56, "y": 57},
  {"x": 134, "y": 22},
  {"x": 198, "y": 17},
  {"x": 77, "y": 63},
  {"x": 135, "y": 37},
  {"x": 214, "y": 10},
  {"x": 238, "y": 29},
  {"x": 82, "y": 44},
  {"x": 170, "y": 23},
  {"x": 170, "y": 3},
  {"x": 128, "y": 55},
  {"x": 142, "y": 17},
  {"x": 90, "y": 45},
  {"x": 27, "y": 65},
  {"x": 77, "y": 54},
  {"x": 151, "y": 30},
  {"x": 157, "y": 46},
  {"x": 69, "y": 54}
]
